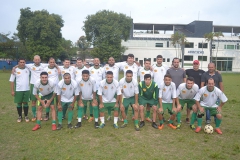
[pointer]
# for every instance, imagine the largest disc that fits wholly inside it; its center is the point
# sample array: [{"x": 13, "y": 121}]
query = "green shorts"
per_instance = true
[
  {"x": 190, "y": 102},
  {"x": 167, "y": 106},
  {"x": 66, "y": 104},
  {"x": 21, "y": 96},
  {"x": 32, "y": 97},
  {"x": 85, "y": 102},
  {"x": 47, "y": 97},
  {"x": 213, "y": 110},
  {"x": 109, "y": 106},
  {"x": 151, "y": 102},
  {"x": 128, "y": 101}
]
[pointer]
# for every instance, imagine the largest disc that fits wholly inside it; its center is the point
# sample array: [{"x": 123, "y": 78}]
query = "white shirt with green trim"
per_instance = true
[
  {"x": 142, "y": 72},
  {"x": 87, "y": 88},
  {"x": 44, "y": 89},
  {"x": 115, "y": 69},
  {"x": 69, "y": 70},
  {"x": 159, "y": 73},
  {"x": 184, "y": 93},
  {"x": 22, "y": 79},
  {"x": 208, "y": 99},
  {"x": 78, "y": 73},
  {"x": 108, "y": 91},
  {"x": 124, "y": 66},
  {"x": 36, "y": 71},
  {"x": 129, "y": 89},
  {"x": 96, "y": 74},
  {"x": 52, "y": 74},
  {"x": 167, "y": 93},
  {"x": 67, "y": 91}
]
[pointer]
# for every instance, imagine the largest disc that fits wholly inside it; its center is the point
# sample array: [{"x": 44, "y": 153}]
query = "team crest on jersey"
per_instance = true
[
  {"x": 63, "y": 72},
  {"x": 183, "y": 91},
  {"x": 112, "y": 87},
  {"x": 76, "y": 72},
  {"x": 155, "y": 70},
  {"x": 105, "y": 87},
  {"x": 126, "y": 67},
  {"x": 18, "y": 72},
  {"x": 124, "y": 86},
  {"x": 164, "y": 89},
  {"x": 81, "y": 84},
  {"x": 34, "y": 68},
  {"x": 144, "y": 89},
  {"x": 40, "y": 89},
  {"x": 64, "y": 89},
  {"x": 89, "y": 84},
  {"x": 205, "y": 95},
  {"x": 92, "y": 72},
  {"x": 107, "y": 68},
  {"x": 143, "y": 72},
  {"x": 49, "y": 72}
]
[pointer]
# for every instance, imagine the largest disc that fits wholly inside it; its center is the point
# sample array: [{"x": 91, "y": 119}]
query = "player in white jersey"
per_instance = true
[
  {"x": 78, "y": 69},
  {"x": 142, "y": 71},
  {"x": 96, "y": 73},
  {"x": 185, "y": 94},
  {"x": 206, "y": 99},
  {"x": 20, "y": 79},
  {"x": 66, "y": 68},
  {"x": 67, "y": 92},
  {"x": 167, "y": 99},
  {"x": 129, "y": 89},
  {"x": 46, "y": 87},
  {"x": 108, "y": 89},
  {"x": 87, "y": 88}
]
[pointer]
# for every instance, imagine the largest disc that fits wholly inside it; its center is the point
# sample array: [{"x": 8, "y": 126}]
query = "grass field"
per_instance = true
[{"x": 17, "y": 141}]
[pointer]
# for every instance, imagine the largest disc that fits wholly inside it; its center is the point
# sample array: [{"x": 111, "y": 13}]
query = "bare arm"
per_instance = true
[
  {"x": 221, "y": 86},
  {"x": 12, "y": 89}
]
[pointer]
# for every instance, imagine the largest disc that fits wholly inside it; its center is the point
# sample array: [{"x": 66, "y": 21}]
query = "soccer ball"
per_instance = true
[{"x": 208, "y": 129}]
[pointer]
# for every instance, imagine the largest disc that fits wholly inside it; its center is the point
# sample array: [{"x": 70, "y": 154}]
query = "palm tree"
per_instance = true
[
  {"x": 175, "y": 39},
  {"x": 209, "y": 38},
  {"x": 182, "y": 41},
  {"x": 217, "y": 35}
]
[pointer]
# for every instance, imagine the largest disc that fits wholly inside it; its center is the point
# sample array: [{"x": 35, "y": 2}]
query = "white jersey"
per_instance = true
[
  {"x": 142, "y": 72},
  {"x": 22, "y": 79},
  {"x": 134, "y": 68},
  {"x": 167, "y": 93},
  {"x": 78, "y": 73},
  {"x": 67, "y": 92},
  {"x": 69, "y": 70},
  {"x": 36, "y": 71},
  {"x": 87, "y": 88},
  {"x": 159, "y": 73},
  {"x": 44, "y": 89},
  {"x": 184, "y": 93},
  {"x": 52, "y": 74},
  {"x": 208, "y": 99},
  {"x": 129, "y": 89},
  {"x": 115, "y": 69},
  {"x": 96, "y": 74},
  {"x": 108, "y": 91}
]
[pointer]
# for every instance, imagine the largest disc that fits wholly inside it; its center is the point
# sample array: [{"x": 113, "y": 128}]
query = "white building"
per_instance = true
[{"x": 143, "y": 43}]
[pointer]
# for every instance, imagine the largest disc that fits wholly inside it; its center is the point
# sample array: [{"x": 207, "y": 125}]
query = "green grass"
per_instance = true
[{"x": 17, "y": 141}]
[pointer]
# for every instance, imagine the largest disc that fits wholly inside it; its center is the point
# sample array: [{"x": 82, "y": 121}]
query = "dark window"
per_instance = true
[
  {"x": 163, "y": 59},
  {"x": 213, "y": 46},
  {"x": 180, "y": 60},
  {"x": 158, "y": 44},
  {"x": 188, "y": 58},
  {"x": 150, "y": 60},
  {"x": 202, "y": 58},
  {"x": 136, "y": 59},
  {"x": 202, "y": 45},
  {"x": 154, "y": 59},
  {"x": 189, "y": 45},
  {"x": 228, "y": 46},
  {"x": 167, "y": 44},
  {"x": 168, "y": 59}
]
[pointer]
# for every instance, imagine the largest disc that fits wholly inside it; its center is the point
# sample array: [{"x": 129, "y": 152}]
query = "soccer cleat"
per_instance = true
[
  {"x": 208, "y": 121},
  {"x": 34, "y": 119},
  {"x": 79, "y": 124},
  {"x": 192, "y": 127},
  {"x": 54, "y": 127},
  {"x": 179, "y": 126},
  {"x": 137, "y": 127},
  {"x": 148, "y": 119},
  {"x": 70, "y": 126},
  {"x": 142, "y": 123},
  {"x": 218, "y": 130},
  {"x": 160, "y": 127},
  {"x": 26, "y": 119},
  {"x": 36, "y": 127},
  {"x": 46, "y": 118},
  {"x": 154, "y": 125},
  {"x": 59, "y": 127},
  {"x": 124, "y": 125},
  {"x": 19, "y": 119},
  {"x": 115, "y": 125},
  {"x": 102, "y": 125},
  {"x": 96, "y": 125},
  {"x": 172, "y": 126},
  {"x": 198, "y": 129},
  {"x": 90, "y": 119},
  {"x": 109, "y": 118},
  {"x": 85, "y": 117},
  {"x": 187, "y": 120}
]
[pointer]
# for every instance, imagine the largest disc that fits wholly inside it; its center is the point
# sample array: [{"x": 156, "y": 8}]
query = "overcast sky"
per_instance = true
[{"x": 74, "y": 12}]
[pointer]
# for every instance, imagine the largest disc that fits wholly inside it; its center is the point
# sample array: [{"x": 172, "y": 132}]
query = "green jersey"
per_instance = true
[{"x": 148, "y": 92}]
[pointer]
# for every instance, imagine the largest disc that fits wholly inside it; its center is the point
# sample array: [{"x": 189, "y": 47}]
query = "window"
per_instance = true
[
  {"x": 189, "y": 45},
  {"x": 202, "y": 45},
  {"x": 163, "y": 59},
  {"x": 154, "y": 59},
  {"x": 202, "y": 58},
  {"x": 213, "y": 46},
  {"x": 167, "y": 44},
  {"x": 188, "y": 58},
  {"x": 228, "y": 46},
  {"x": 237, "y": 46},
  {"x": 168, "y": 59},
  {"x": 136, "y": 59},
  {"x": 158, "y": 44}
]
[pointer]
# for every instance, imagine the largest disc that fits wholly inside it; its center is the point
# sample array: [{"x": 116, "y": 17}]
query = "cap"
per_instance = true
[{"x": 195, "y": 62}]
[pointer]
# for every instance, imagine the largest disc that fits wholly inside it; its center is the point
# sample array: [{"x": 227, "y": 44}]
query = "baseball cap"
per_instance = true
[{"x": 195, "y": 62}]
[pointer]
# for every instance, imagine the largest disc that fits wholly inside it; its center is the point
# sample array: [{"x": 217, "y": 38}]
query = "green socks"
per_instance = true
[
  {"x": 60, "y": 115},
  {"x": 218, "y": 122},
  {"x": 80, "y": 111},
  {"x": 135, "y": 122},
  {"x": 199, "y": 120},
  {"x": 38, "y": 122},
  {"x": 170, "y": 121},
  {"x": 34, "y": 111},
  {"x": 85, "y": 110},
  {"x": 47, "y": 109},
  {"x": 126, "y": 121},
  {"x": 193, "y": 117},
  {"x": 53, "y": 122},
  {"x": 95, "y": 111},
  {"x": 179, "y": 117},
  {"x": 64, "y": 109},
  {"x": 109, "y": 112},
  {"x": 91, "y": 109},
  {"x": 147, "y": 114},
  {"x": 161, "y": 121},
  {"x": 70, "y": 115}
]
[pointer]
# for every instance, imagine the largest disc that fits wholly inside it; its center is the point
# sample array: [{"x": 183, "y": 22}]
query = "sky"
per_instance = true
[{"x": 74, "y": 12}]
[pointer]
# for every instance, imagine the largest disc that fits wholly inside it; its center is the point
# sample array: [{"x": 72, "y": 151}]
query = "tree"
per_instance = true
[
  {"x": 40, "y": 32},
  {"x": 105, "y": 30},
  {"x": 217, "y": 35},
  {"x": 84, "y": 47},
  {"x": 209, "y": 38}
]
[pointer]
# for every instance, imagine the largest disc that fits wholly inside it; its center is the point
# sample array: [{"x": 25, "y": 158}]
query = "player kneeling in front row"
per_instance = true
[
  {"x": 185, "y": 94},
  {"x": 167, "y": 100},
  {"x": 46, "y": 87},
  {"x": 209, "y": 95},
  {"x": 148, "y": 94},
  {"x": 87, "y": 88},
  {"x": 67, "y": 92},
  {"x": 107, "y": 90},
  {"x": 129, "y": 89}
]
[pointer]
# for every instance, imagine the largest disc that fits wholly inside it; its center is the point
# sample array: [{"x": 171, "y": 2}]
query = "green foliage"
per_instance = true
[
  {"x": 68, "y": 49},
  {"x": 40, "y": 32},
  {"x": 84, "y": 47},
  {"x": 105, "y": 30}
]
